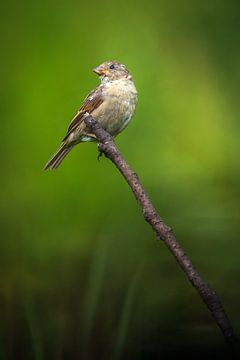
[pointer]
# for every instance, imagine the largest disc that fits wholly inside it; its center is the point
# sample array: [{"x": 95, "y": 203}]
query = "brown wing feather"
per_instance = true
[{"x": 92, "y": 101}]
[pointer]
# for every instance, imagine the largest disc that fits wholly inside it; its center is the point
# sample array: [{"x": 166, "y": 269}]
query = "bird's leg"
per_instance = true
[{"x": 100, "y": 152}]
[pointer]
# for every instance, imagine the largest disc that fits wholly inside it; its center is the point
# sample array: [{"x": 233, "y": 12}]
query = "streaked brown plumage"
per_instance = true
[{"x": 112, "y": 104}]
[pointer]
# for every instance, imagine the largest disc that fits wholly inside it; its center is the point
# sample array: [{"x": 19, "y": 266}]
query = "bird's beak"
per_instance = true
[{"x": 100, "y": 70}]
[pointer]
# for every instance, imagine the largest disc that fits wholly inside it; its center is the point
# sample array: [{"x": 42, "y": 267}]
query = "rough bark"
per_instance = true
[{"x": 164, "y": 232}]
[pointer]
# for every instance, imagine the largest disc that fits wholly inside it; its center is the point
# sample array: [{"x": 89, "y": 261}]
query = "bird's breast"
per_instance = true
[{"x": 120, "y": 99}]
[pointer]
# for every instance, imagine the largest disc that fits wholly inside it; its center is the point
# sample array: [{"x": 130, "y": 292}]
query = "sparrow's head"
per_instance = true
[{"x": 111, "y": 70}]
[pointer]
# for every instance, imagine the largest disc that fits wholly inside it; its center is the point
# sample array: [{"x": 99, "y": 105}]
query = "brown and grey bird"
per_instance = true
[{"x": 112, "y": 104}]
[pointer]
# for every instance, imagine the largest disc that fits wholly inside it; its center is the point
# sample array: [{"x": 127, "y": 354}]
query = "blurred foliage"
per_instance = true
[{"x": 82, "y": 276}]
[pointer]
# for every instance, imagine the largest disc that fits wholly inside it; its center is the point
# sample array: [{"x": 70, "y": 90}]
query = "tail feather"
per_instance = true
[{"x": 58, "y": 157}]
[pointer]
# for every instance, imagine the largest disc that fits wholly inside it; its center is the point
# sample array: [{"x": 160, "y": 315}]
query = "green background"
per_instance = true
[{"x": 81, "y": 274}]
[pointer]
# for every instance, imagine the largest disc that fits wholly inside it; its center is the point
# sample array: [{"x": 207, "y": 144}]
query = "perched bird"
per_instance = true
[{"x": 112, "y": 104}]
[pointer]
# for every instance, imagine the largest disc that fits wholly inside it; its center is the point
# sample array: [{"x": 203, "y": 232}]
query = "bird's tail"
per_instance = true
[{"x": 58, "y": 157}]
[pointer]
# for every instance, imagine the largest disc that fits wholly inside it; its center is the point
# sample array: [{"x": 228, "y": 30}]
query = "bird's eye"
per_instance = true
[{"x": 111, "y": 67}]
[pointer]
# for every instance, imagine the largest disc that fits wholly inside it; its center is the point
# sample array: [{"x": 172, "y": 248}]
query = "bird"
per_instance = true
[{"x": 112, "y": 104}]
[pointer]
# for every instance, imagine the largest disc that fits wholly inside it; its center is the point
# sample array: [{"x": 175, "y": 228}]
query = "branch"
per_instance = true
[{"x": 163, "y": 232}]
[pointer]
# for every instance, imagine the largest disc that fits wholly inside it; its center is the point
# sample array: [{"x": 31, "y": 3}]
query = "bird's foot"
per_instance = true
[{"x": 100, "y": 154}]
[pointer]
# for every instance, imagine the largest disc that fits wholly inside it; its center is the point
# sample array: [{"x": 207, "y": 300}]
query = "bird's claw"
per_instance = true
[{"x": 100, "y": 153}]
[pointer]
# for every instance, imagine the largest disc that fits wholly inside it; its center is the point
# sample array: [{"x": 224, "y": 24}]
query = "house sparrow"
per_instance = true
[{"x": 112, "y": 104}]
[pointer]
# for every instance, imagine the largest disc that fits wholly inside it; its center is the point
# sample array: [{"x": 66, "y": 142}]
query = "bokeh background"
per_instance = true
[{"x": 81, "y": 274}]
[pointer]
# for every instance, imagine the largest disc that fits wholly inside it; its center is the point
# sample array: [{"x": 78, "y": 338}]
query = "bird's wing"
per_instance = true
[{"x": 92, "y": 102}]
